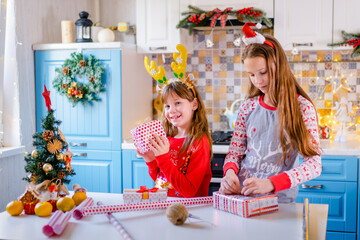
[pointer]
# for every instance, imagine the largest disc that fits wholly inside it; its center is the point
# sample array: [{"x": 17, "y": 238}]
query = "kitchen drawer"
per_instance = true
[
  {"x": 135, "y": 171},
  {"x": 341, "y": 198},
  {"x": 340, "y": 236},
  {"x": 338, "y": 168},
  {"x": 97, "y": 171}
]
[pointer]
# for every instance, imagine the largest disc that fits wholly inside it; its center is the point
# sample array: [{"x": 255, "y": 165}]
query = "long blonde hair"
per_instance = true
[
  {"x": 199, "y": 125},
  {"x": 283, "y": 92}
]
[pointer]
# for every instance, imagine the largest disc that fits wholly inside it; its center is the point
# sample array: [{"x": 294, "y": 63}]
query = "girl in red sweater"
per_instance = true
[{"x": 180, "y": 162}]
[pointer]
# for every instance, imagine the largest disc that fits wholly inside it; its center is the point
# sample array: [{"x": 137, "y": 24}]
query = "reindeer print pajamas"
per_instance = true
[{"x": 255, "y": 149}]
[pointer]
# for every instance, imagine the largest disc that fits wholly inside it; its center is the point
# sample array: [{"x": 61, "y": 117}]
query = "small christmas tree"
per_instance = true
[{"x": 49, "y": 164}]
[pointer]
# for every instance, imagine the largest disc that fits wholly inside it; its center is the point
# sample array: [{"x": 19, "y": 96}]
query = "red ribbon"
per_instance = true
[
  {"x": 144, "y": 189},
  {"x": 219, "y": 13}
]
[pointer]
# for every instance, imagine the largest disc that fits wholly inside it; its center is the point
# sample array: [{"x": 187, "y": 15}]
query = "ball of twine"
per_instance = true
[{"x": 177, "y": 213}]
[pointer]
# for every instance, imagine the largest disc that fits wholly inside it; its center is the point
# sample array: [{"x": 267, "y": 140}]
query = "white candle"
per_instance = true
[{"x": 67, "y": 31}]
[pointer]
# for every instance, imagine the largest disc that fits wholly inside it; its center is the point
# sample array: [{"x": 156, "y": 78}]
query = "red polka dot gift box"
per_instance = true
[{"x": 144, "y": 132}]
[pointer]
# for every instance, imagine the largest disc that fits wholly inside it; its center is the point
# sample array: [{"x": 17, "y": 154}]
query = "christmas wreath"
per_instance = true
[
  {"x": 350, "y": 39},
  {"x": 197, "y": 17},
  {"x": 89, "y": 71}
]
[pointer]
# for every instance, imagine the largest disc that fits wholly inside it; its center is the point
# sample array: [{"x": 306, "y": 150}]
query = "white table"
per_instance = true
[{"x": 285, "y": 224}]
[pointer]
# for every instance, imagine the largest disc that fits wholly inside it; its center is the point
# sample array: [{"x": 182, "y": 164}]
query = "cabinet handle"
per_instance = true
[
  {"x": 302, "y": 44},
  {"x": 313, "y": 187},
  {"x": 78, "y": 144},
  {"x": 157, "y": 48},
  {"x": 79, "y": 154}
]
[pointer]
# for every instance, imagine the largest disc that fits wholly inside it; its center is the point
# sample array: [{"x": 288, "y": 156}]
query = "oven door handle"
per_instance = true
[{"x": 215, "y": 180}]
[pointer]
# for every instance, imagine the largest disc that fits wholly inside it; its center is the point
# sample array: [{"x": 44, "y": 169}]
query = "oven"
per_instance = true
[
  {"x": 217, "y": 172},
  {"x": 220, "y": 139}
]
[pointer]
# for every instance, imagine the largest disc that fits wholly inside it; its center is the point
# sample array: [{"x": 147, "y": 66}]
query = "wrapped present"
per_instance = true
[
  {"x": 29, "y": 199},
  {"x": 324, "y": 132},
  {"x": 246, "y": 206},
  {"x": 144, "y": 195},
  {"x": 144, "y": 132}
]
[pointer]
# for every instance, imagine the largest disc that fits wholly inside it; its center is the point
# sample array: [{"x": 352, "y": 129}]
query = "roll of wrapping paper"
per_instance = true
[
  {"x": 48, "y": 229},
  {"x": 78, "y": 211},
  {"x": 95, "y": 210},
  {"x": 60, "y": 225},
  {"x": 124, "y": 234}
]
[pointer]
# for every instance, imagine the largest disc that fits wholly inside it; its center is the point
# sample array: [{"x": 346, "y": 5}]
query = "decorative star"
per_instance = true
[
  {"x": 209, "y": 43},
  {"x": 46, "y": 95}
]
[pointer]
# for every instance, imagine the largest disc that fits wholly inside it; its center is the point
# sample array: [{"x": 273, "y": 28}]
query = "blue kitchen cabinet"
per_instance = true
[
  {"x": 93, "y": 131},
  {"x": 337, "y": 186},
  {"x": 135, "y": 171}
]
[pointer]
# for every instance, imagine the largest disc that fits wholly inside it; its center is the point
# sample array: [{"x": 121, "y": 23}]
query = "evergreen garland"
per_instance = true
[
  {"x": 78, "y": 66},
  {"x": 350, "y": 39},
  {"x": 197, "y": 17},
  {"x": 34, "y": 162}
]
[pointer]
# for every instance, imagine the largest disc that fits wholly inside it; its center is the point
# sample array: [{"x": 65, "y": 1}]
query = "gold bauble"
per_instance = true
[
  {"x": 60, "y": 156},
  {"x": 47, "y": 167},
  {"x": 35, "y": 153}
]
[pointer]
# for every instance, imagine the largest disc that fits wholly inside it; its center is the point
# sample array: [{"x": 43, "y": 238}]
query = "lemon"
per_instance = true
[
  {"x": 43, "y": 209},
  {"x": 65, "y": 204},
  {"x": 14, "y": 208},
  {"x": 78, "y": 197}
]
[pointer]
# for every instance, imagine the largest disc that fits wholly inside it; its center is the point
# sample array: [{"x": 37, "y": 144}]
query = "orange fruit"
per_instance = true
[
  {"x": 43, "y": 209},
  {"x": 78, "y": 197},
  {"x": 65, "y": 204},
  {"x": 14, "y": 208}
]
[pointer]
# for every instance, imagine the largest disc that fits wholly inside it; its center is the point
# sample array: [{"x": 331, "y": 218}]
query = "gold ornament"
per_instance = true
[
  {"x": 47, "y": 167},
  {"x": 177, "y": 213},
  {"x": 60, "y": 156},
  {"x": 35, "y": 153},
  {"x": 48, "y": 135},
  {"x": 54, "y": 146},
  {"x": 62, "y": 137}
]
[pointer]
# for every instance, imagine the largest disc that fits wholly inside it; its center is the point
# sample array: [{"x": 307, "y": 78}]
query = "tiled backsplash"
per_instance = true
[{"x": 221, "y": 79}]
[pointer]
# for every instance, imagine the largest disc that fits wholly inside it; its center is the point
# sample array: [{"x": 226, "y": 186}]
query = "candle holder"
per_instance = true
[{"x": 83, "y": 28}]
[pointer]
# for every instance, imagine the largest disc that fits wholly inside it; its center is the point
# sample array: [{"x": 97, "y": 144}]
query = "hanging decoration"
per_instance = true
[
  {"x": 350, "y": 39},
  {"x": 89, "y": 71},
  {"x": 197, "y": 17}
]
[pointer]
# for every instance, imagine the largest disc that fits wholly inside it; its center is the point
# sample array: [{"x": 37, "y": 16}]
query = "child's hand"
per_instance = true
[
  {"x": 257, "y": 186},
  {"x": 160, "y": 145},
  {"x": 230, "y": 183},
  {"x": 148, "y": 156}
]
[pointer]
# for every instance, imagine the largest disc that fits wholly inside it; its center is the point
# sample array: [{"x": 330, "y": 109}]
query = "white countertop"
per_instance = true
[
  {"x": 89, "y": 45},
  {"x": 349, "y": 148},
  {"x": 287, "y": 223}
]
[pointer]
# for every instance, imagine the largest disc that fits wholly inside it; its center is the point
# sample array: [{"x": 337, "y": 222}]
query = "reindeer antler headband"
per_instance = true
[{"x": 179, "y": 67}]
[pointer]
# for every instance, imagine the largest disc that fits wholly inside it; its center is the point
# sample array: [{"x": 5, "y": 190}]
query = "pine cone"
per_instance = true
[
  {"x": 48, "y": 135},
  {"x": 82, "y": 63},
  {"x": 64, "y": 86},
  {"x": 202, "y": 16},
  {"x": 209, "y": 14},
  {"x": 66, "y": 71},
  {"x": 40, "y": 166},
  {"x": 92, "y": 79},
  {"x": 61, "y": 175}
]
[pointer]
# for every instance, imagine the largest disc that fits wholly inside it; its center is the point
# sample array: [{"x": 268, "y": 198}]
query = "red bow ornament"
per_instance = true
[
  {"x": 145, "y": 191},
  {"x": 219, "y": 13}
]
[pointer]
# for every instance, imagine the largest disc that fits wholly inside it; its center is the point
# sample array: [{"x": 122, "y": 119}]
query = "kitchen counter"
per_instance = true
[
  {"x": 287, "y": 223},
  {"x": 349, "y": 148}
]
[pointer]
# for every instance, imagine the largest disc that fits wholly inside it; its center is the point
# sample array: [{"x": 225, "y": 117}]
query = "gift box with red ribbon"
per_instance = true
[
  {"x": 144, "y": 195},
  {"x": 246, "y": 206},
  {"x": 144, "y": 132}
]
